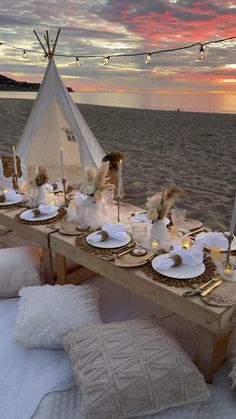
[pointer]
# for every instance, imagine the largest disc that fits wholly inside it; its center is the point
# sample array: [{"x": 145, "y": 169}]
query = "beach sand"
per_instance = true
[{"x": 193, "y": 150}]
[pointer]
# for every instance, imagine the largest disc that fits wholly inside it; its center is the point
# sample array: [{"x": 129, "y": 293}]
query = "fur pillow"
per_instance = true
[
  {"x": 48, "y": 312},
  {"x": 19, "y": 267}
]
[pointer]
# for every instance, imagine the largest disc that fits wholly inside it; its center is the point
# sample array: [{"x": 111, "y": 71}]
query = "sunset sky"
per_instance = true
[{"x": 105, "y": 27}]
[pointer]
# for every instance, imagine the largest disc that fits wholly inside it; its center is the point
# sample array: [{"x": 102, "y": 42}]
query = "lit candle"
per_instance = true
[
  {"x": 154, "y": 245},
  {"x": 186, "y": 243},
  {"x": 215, "y": 253},
  {"x": 119, "y": 186},
  {"x": 14, "y": 159},
  {"x": 62, "y": 164},
  {"x": 233, "y": 219},
  {"x": 228, "y": 269},
  {"x": 52, "y": 198}
]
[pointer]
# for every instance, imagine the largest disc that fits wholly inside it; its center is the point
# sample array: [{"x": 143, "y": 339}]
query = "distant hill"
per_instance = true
[{"x": 8, "y": 84}]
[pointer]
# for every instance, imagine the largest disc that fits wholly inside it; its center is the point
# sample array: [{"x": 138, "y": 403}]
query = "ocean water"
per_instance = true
[{"x": 191, "y": 102}]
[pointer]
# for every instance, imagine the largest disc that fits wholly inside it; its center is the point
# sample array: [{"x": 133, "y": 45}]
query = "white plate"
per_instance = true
[
  {"x": 181, "y": 271},
  {"x": 39, "y": 218},
  {"x": 109, "y": 243},
  {"x": 203, "y": 234},
  {"x": 15, "y": 201}
]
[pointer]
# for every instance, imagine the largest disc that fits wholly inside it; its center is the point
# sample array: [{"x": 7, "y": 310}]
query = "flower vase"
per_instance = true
[
  {"x": 159, "y": 232},
  {"x": 42, "y": 196}
]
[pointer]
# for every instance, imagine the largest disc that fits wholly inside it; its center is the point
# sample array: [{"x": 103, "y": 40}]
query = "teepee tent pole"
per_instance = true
[
  {"x": 55, "y": 43},
  {"x": 46, "y": 37},
  {"x": 46, "y": 52}
]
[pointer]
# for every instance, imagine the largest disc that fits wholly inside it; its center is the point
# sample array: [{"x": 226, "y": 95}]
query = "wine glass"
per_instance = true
[
  {"x": 139, "y": 233},
  {"x": 178, "y": 216}
]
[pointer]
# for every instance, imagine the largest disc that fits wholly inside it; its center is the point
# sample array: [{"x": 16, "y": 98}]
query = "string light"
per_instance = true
[
  {"x": 148, "y": 55},
  {"x": 77, "y": 61},
  {"x": 148, "y": 58},
  {"x": 202, "y": 53},
  {"x": 43, "y": 58},
  {"x": 105, "y": 60},
  {"x": 25, "y": 56}
]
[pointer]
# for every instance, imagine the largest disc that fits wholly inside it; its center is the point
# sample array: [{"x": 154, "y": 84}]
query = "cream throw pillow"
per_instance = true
[
  {"x": 48, "y": 312},
  {"x": 131, "y": 369},
  {"x": 19, "y": 267}
]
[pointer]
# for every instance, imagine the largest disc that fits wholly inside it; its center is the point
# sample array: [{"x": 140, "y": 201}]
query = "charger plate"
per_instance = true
[
  {"x": 129, "y": 261},
  {"x": 191, "y": 224}
]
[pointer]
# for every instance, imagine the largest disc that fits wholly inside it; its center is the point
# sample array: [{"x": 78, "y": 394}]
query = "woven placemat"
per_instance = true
[
  {"x": 222, "y": 296},
  {"x": 8, "y": 206},
  {"x": 82, "y": 243},
  {"x": 58, "y": 217},
  {"x": 206, "y": 276}
]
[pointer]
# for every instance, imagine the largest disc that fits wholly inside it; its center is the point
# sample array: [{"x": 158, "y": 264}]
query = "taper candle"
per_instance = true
[
  {"x": 119, "y": 186},
  {"x": 233, "y": 219},
  {"x": 62, "y": 164},
  {"x": 14, "y": 159}
]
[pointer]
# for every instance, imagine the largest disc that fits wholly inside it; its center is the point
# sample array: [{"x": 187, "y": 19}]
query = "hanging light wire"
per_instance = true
[{"x": 135, "y": 54}]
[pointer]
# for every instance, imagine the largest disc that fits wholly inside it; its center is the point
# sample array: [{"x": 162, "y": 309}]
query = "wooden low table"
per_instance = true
[{"x": 213, "y": 322}]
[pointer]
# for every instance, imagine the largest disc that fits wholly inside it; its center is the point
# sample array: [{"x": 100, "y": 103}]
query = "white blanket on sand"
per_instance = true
[{"x": 42, "y": 370}]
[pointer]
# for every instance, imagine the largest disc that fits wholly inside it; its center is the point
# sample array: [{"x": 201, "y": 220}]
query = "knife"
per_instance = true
[{"x": 208, "y": 290}]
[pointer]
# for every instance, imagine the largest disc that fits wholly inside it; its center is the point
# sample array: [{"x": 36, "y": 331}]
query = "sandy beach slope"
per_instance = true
[{"x": 193, "y": 150}]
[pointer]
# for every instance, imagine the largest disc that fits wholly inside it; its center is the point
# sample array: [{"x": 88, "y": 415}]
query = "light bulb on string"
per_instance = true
[
  {"x": 148, "y": 58},
  {"x": 77, "y": 61},
  {"x": 43, "y": 58},
  {"x": 25, "y": 56},
  {"x": 202, "y": 53},
  {"x": 105, "y": 60}
]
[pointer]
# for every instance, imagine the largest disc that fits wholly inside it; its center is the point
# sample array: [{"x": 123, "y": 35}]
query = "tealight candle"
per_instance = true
[
  {"x": 228, "y": 269},
  {"x": 154, "y": 245},
  {"x": 52, "y": 198},
  {"x": 174, "y": 231},
  {"x": 186, "y": 243},
  {"x": 5, "y": 190},
  {"x": 215, "y": 253}
]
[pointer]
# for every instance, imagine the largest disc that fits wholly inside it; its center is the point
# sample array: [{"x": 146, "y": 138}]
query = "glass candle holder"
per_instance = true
[
  {"x": 154, "y": 245},
  {"x": 186, "y": 243},
  {"x": 215, "y": 253},
  {"x": 174, "y": 231},
  {"x": 52, "y": 198}
]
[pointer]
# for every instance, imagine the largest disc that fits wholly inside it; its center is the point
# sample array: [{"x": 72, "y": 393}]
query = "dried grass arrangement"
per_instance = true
[
  {"x": 96, "y": 182},
  {"x": 41, "y": 178},
  {"x": 160, "y": 204}
]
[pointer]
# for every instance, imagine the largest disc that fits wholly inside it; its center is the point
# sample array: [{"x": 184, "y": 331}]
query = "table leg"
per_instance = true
[
  {"x": 61, "y": 269},
  {"x": 211, "y": 352},
  {"x": 47, "y": 266}
]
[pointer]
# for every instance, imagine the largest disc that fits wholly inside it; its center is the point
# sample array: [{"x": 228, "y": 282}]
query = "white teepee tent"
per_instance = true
[{"x": 56, "y": 122}]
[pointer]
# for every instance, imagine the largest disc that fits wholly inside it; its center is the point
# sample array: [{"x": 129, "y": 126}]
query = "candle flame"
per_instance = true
[
  {"x": 60, "y": 148},
  {"x": 120, "y": 161}
]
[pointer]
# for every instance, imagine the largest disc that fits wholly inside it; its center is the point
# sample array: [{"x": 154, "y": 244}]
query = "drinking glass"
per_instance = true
[
  {"x": 178, "y": 216},
  {"x": 139, "y": 233}
]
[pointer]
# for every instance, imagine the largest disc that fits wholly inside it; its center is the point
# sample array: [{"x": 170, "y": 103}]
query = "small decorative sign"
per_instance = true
[{"x": 8, "y": 166}]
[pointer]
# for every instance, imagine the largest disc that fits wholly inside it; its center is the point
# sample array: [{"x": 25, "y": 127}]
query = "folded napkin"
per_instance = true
[
  {"x": 48, "y": 187},
  {"x": 213, "y": 239},
  {"x": 192, "y": 257},
  {"x": 111, "y": 231},
  {"x": 140, "y": 218},
  {"x": 80, "y": 197},
  {"x": 11, "y": 195},
  {"x": 41, "y": 210}
]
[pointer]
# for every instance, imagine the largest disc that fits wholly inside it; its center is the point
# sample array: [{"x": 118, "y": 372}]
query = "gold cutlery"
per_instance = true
[
  {"x": 208, "y": 290},
  {"x": 199, "y": 289},
  {"x": 117, "y": 255}
]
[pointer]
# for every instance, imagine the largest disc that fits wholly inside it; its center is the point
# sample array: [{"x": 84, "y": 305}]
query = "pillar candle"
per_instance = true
[
  {"x": 119, "y": 186},
  {"x": 14, "y": 159},
  {"x": 62, "y": 164},
  {"x": 233, "y": 219}
]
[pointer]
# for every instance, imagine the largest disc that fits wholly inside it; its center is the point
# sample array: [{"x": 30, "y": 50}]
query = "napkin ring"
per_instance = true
[
  {"x": 104, "y": 235},
  {"x": 2, "y": 198},
  {"x": 176, "y": 259}
]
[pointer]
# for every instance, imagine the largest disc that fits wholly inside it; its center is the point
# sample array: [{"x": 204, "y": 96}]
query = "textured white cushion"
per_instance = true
[
  {"x": 19, "y": 267},
  {"x": 48, "y": 312},
  {"x": 130, "y": 369}
]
